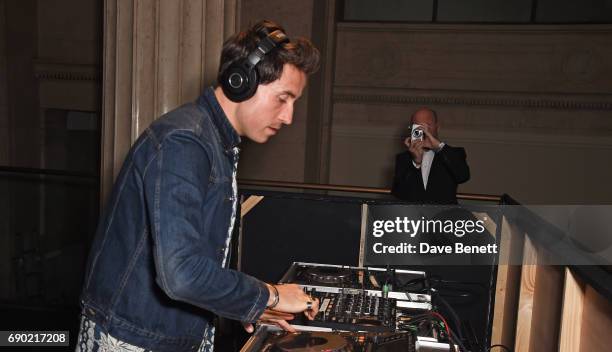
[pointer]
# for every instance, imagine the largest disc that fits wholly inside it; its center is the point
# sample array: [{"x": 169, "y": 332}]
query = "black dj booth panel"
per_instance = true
[{"x": 282, "y": 229}]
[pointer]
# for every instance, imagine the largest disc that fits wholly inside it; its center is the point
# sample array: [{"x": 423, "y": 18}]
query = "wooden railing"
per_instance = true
[
  {"x": 543, "y": 307},
  {"x": 346, "y": 188}
]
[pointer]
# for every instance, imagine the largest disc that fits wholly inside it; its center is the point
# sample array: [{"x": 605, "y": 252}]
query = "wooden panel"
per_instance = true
[
  {"x": 573, "y": 303},
  {"x": 145, "y": 69},
  {"x": 168, "y": 53},
  {"x": 547, "y": 303},
  {"x": 249, "y": 204},
  {"x": 211, "y": 53},
  {"x": 231, "y": 17},
  {"x": 320, "y": 105},
  {"x": 190, "y": 70},
  {"x": 507, "y": 285},
  {"x": 596, "y": 331},
  {"x": 120, "y": 46},
  {"x": 116, "y": 96},
  {"x": 526, "y": 292},
  {"x": 539, "y": 305}
]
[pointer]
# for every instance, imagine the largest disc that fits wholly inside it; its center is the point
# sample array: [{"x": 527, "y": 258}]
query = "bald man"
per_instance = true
[{"x": 430, "y": 170}]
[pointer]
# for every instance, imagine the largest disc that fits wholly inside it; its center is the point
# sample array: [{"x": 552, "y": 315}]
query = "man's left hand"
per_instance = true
[
  {"x": 273, "y": 317},
  {"x": 429, "y": 141}
]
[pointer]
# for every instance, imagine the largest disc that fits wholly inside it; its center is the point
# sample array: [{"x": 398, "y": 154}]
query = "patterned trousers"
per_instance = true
[{"x": 92, "y": 338}]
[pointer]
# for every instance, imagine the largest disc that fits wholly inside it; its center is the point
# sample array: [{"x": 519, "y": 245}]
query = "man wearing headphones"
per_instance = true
[{"x": 157, "y": 271}]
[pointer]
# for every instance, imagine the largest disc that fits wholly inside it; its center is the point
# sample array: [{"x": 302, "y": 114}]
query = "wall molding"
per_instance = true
[
  {"x": 469, "y": 28},
  {"x": 66, "y": 72},
  {"x": 462, "y": 137},
  {"x": 363, "y": 95}
]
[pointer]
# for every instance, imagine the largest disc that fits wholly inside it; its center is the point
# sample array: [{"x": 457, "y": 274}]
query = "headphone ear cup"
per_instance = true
[{"x": 239, "y": 83}]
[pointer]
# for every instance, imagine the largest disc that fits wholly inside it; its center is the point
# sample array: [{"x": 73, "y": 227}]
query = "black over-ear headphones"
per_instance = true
[{"x": 240, "y": 80}]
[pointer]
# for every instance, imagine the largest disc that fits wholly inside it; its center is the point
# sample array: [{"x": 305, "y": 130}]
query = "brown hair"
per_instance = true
[{"x": 299, "y": 52}]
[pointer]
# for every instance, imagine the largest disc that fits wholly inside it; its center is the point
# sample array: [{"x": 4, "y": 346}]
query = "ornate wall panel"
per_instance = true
[
  {"x": 158, "y": 54},
  {"x": 532, "y": 105},
  {"x": 572, "y": 59}
]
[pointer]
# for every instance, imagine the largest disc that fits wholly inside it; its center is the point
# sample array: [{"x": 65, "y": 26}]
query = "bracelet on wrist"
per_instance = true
[{"x": 276, "y": 297}]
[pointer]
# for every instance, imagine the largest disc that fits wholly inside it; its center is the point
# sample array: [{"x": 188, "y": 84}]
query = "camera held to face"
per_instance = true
[{"x": 417, "y": 132}]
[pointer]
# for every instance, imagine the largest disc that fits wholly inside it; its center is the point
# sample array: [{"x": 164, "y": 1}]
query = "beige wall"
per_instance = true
[
  {"x": 69, "y": 31},
  {"x": 283, "y": 157},
  {"x": 528, "y": 103},
  {"x": 531, "y": 104}
]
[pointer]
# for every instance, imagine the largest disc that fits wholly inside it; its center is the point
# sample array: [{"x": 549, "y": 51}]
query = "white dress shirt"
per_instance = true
[
  {"x": 426, "y": 163},
  {"x": 425, "y": 166}
]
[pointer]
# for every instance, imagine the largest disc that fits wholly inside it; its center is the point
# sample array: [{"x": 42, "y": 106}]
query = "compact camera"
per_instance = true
[{"x": 417, "y": 132}]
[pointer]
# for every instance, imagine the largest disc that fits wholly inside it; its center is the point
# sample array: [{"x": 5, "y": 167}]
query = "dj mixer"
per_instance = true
[{"x": 360, "y": 309}]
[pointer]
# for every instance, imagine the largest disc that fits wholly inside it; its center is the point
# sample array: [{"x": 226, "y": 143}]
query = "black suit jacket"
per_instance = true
[{"x": 449, "y": 169}]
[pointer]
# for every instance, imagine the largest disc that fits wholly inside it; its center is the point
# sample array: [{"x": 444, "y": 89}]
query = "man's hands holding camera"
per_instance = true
[
  {"x": 291, "y": 299},
  {"x": 416, "y": 147}
]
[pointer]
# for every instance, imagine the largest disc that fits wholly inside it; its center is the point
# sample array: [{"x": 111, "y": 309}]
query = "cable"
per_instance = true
[
  {"x": 452, "y": 337},
  {"x": 444, "y": 321},
  {"x": 438, "y": 287},
  {"x": 458, "y": 341},
  {"x": 451, "y": 334},
  {"x": 453, "y": 314},
  {"x": 500, "y": 346},
  {"x": 423, "y": 281},
  {"x": 465, "y": 291}
]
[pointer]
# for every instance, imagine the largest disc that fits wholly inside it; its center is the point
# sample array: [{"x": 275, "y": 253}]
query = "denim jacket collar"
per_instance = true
[{"x": 229, "y": 137}]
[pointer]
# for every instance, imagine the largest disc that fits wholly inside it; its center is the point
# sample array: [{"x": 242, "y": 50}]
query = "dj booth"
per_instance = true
[
  {"x": 324, "y": 243},
  {"x": 279, "y": 229}
]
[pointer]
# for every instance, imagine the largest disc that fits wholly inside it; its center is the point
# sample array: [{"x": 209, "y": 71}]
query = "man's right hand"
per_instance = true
[
  {"x": 292, "y": 299},
  {"x": 415, "y": 148}
]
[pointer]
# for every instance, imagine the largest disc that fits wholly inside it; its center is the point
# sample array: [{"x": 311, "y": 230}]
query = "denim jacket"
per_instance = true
[{"x": 154, "y": 275}]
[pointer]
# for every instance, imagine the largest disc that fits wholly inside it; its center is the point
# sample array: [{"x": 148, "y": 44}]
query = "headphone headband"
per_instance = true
[
  {"x": 267, "y": 44},
  {"x": 240, "y": 80}
]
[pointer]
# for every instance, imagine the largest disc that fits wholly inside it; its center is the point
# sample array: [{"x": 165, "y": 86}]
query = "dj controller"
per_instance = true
[
  {"x": 354, "y": 311},
  {"x": 370, "y": 281},
  {"x": 312, "y": 274},
  {"x": 360, "y": 309}
]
